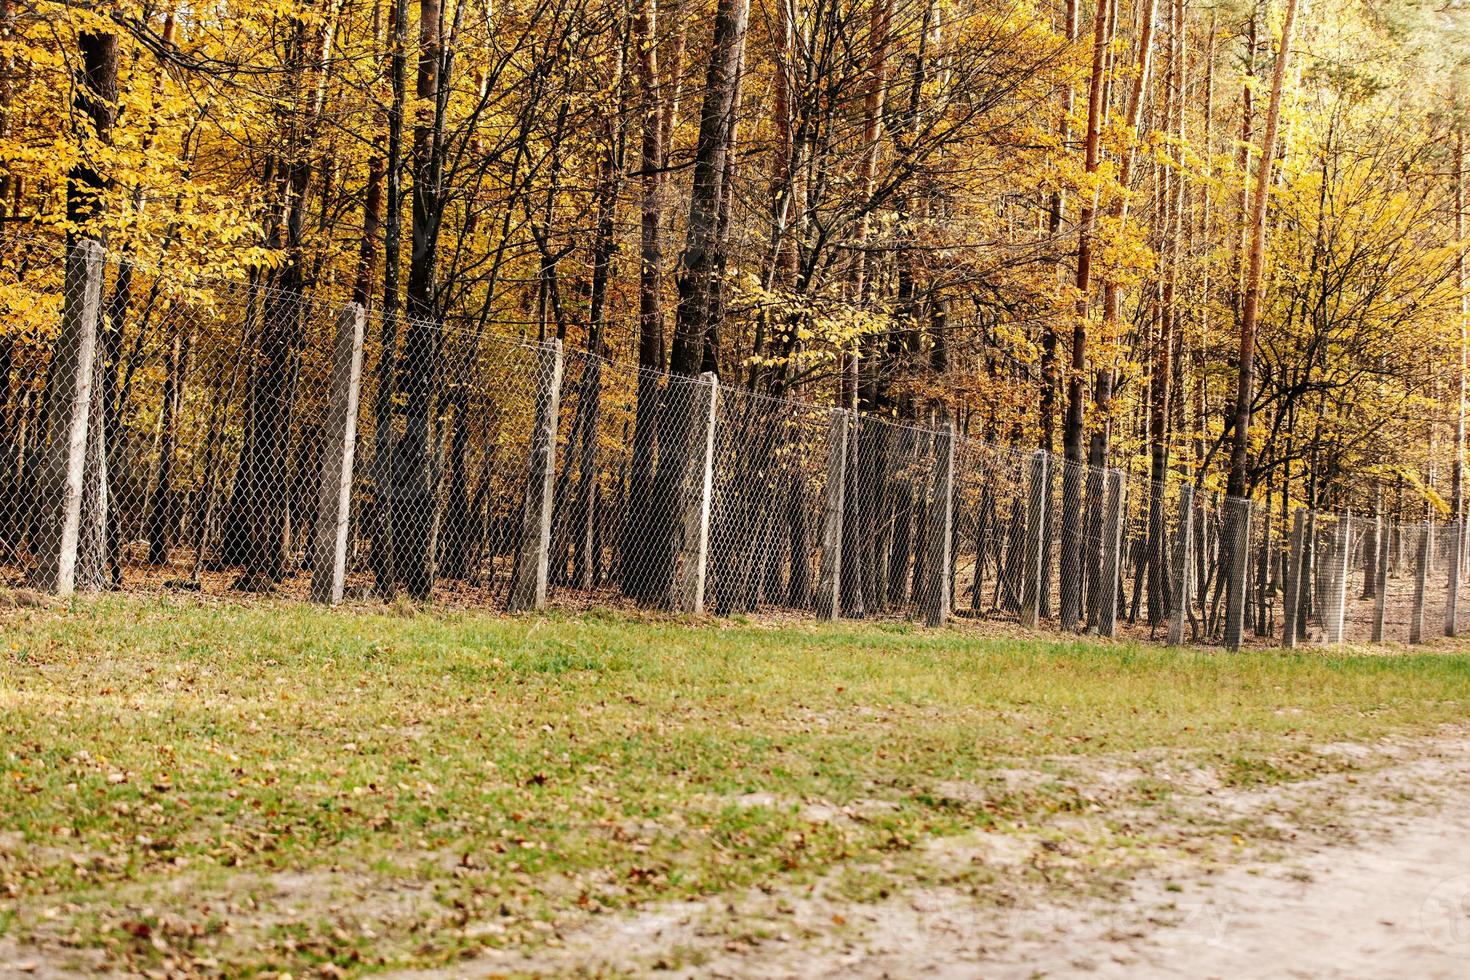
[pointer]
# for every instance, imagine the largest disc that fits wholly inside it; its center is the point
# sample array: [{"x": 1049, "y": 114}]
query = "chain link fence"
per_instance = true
[{"x": 233, "y": 437}]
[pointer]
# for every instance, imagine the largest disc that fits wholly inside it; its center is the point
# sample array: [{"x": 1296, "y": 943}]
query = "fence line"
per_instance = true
[{"x": 160, "y": 435}]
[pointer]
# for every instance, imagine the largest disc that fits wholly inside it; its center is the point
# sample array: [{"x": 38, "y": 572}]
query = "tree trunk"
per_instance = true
[
  {"x": 163, "y": 507},
  {"x": 1072, "y": 538},
  {"x": 86, "y": 189},
  {"x": 384, "y": 430},
  {"x": 589, "y": 399},
  {"x": 1457, "y": 466},
  {"x": 635, "y": 569},
  {"x": 698, "y": 283},
  {"x": 414, "y": 479},
  {"x": 1245, "y": 381},
  {"x": 1162, "y": 371},
  {"x": 1050, "y": 376},
  {"x": 262, "y": 502},
  {"x": 264, "y": 505}
]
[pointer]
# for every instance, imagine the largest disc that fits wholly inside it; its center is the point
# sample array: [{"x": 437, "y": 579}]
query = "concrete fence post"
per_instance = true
[
  {"x": 528, "y": 581},
  {"x": 693, "y": 559},
  {"x": 1338, "y": 579},
  {"x": 1309, "y": 601},
  {"x": 1295, "y": 563},
  {"x": 937, "y": 599},
  {"x": 1452, "y": 586},
  {"x": 59, "y": 493},
  {"x": 1071, "y": 548},
  {"x": 1237, "y": 532},
  {"x": 1421, "y": 580},
  {"x": 1384, "y": 542},
  {"x": 1179, "y": 567},
  {"x": 1037, "y": 492},
  {"x": 339, "y": 451},
  {"x": 1112, "y": 553},
  {"x": 829, "y": 576},
  {"x": 92, "y": 572}
]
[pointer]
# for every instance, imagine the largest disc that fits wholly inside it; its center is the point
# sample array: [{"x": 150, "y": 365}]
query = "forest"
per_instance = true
[{"x": 1215, "y": 245}]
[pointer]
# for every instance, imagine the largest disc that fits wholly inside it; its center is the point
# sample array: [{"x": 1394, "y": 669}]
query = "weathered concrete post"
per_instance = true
[
  {"x": 1337, "y": 598},
  {"x": 339, "y": 451},
  {"x": 829, "y": 576},
  {"x": 1237, "y": 532},
  {"x": 1070, "y": 561},
  {"x": 528, "y": 581},
  {"x": 693, "y": 558},
  {"x": 1306, "y": 600},
  {"x": 1452, "y": 586},
  {"x": 1421, "y": 580},
  {"x": 1035, "y": 555},
  {"x": 1295, "y": 563},
  {"x": 1384, "y": 542},
  {"x": 937, "y": 598},
  {"x": 1180, "y": 566},
  {"x": 92, "y": 572},
  {"x": 63, "y": 458},
  {"x": 1112, "y": 553}
]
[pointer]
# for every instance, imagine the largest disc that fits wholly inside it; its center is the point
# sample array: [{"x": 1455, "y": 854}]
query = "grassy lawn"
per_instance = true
[{"x": 276, "y": 787}]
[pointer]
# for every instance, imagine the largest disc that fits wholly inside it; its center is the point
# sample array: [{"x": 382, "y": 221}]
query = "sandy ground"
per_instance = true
[
  {"x": 1396, "y": 904},
  {"x": 1363, "y": 873},
  {"x": 1367, "y": 874}
]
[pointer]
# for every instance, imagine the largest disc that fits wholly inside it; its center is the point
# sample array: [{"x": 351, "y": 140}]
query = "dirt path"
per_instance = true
[
  {"x": 1365, "y": 873},
  {"x": 1394, "y": 905},
  {"x": 1361, "y": 873}
]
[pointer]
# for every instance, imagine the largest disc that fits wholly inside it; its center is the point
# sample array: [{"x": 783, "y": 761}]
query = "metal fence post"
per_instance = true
[
  {"x": 693, "y": 559},
  {"x": 1112, "y": 554},
  {"x": 339, "y": 451},
  {"x": 64, "y": 456},
  {"x": 1452, "y": 587},
  {"x": 1238, "y": 533},
  {"x": 1383, "y": 540},
  {"x": 528, "y": 582},
  {"x": 937, "y": 599},
  {"x": 1179, "y": 596},
  {"x": 1035, "y": 556},
  {"x": 1337, "y": 598},
  {"x": 1421, "y": 580},
  {"x": 829, "y": 576},
  {"x": 1295, "y": 562}
]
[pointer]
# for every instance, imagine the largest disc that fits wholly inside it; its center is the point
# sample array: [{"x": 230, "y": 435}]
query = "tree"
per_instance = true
[{"x": 1250, "y": 308}]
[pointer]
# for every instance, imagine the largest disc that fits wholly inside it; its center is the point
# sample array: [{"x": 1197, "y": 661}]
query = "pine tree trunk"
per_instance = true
[
  {"x": 1072, "y": 540},
  {"x": 1245, "y": 381},
  {"x": 1457, "y": 470},
  {"x": 1162, "y": 369}
]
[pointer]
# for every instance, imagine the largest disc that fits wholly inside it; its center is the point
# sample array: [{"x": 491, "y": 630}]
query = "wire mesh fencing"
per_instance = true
[
  {"x": 227, "y": 437},
  {"x": 992, "y": 486},
  {"x": 168, "y": 416}
]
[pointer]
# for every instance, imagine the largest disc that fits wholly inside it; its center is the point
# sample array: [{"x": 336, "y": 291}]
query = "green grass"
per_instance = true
[{"x": 277, "y": 786}]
